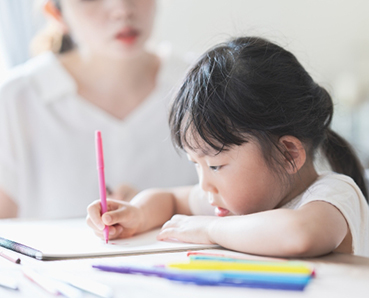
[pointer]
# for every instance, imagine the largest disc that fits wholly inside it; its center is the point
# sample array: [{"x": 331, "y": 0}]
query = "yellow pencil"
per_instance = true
[{"x": 233, "y": 266}]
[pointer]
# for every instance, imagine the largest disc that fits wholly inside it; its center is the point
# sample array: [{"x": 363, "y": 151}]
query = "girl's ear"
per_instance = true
[
  {"x": 294, "y": 153},
  {"x": 54, "y": 13}
]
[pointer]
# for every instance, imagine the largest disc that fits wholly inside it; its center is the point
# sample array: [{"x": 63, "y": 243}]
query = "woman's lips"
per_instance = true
[
  {"x": 219, "y": 211},
  {"x": 127, "y": 36}
]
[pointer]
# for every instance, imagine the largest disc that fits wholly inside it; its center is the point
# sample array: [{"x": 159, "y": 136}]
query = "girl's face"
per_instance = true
[
  {"x": 238, "y": 181},
  {"x": 109, "y": 27}
]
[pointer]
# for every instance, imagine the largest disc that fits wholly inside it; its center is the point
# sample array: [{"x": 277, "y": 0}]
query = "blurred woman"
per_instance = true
[{"x": 103, "y": 78}]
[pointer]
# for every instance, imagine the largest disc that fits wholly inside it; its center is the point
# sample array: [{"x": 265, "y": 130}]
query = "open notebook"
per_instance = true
[{"x": 72, "y": 238}]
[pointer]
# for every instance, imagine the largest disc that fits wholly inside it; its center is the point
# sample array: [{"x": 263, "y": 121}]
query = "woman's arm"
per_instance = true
[{"x": 8, "y": 208}]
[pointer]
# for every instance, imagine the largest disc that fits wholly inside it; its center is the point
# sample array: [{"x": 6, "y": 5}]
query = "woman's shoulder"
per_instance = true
[
  {"x": 34, "y": 77},
  {"x": 21, "y": 72}
]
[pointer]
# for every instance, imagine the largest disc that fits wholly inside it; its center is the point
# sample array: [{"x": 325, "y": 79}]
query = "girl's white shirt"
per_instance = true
[
  {"x": 47, "y": 140},
  {"x": 336, "y": 189}
]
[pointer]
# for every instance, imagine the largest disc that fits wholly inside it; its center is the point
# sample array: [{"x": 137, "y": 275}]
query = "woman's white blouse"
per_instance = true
[{"x": 47, "y": 150}]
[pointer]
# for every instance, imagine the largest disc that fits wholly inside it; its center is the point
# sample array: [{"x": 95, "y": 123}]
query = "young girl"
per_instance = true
[
  {"x": 103, "y": 77},
  {"x": 251, "y": 119}
]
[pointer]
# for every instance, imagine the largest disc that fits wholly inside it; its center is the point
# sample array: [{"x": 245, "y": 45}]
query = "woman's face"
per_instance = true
[{"x": 116, "y": 28}]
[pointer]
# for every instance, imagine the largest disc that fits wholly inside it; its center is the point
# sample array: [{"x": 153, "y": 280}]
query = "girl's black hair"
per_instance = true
[{"x": 250, "y": 87}]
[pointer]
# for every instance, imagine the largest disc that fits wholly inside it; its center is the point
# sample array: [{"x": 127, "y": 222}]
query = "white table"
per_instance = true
[{"x": 337, "y": 275}]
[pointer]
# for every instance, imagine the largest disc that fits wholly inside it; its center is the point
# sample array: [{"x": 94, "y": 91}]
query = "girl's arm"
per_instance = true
[
  {"x": 158, "y": 206},
  {"x": 123, "y": 192},
  {"x": 315, "y": 229},
  {"x": 149, "y": 209}
]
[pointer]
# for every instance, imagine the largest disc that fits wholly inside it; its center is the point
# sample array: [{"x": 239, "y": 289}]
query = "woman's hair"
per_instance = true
[
  {"x": 51, "y": 39},
  {"x": 252, "y": 88}
]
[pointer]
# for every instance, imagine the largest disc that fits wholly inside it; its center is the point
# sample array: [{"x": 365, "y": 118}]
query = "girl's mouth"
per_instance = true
[{"x": 219, "y": 211}]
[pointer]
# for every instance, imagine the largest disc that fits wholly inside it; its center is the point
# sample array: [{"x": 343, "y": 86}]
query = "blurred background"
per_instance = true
[{"x": 329, "y": 37}]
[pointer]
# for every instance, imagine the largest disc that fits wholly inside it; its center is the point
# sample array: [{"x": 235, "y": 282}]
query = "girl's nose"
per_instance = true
[
  {"x": 210, "y": 198},
  {"x": 207, "y": 185}
]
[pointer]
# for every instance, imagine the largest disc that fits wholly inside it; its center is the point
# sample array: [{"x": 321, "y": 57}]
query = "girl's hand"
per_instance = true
[
  {"x": 124, "y": 220},
  {"x": 124, "y": 192},
  {"x": 191, "y": 229}
]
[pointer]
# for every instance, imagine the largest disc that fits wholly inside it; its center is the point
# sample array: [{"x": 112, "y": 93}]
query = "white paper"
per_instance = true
[{"x": 72, "y": 238}]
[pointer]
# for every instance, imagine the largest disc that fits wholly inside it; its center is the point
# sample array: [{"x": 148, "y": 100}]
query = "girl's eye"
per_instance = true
[{"x": 215, "y": 168}]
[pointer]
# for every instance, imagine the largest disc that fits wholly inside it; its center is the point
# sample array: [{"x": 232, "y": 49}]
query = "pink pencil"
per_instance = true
[
  {"x": 100, "y": 171},
  {"x": 9, "y": 258}
]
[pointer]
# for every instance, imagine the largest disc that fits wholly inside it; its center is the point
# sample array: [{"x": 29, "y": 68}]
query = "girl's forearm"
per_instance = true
[
  {"x": 159, "y": 205},
  {"x": 272, "y": 233},
  {"x": 156, "y": 207}
]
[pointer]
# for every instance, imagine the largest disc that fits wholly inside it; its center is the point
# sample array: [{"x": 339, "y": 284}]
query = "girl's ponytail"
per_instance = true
[{"x": 343, "y": 159}]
